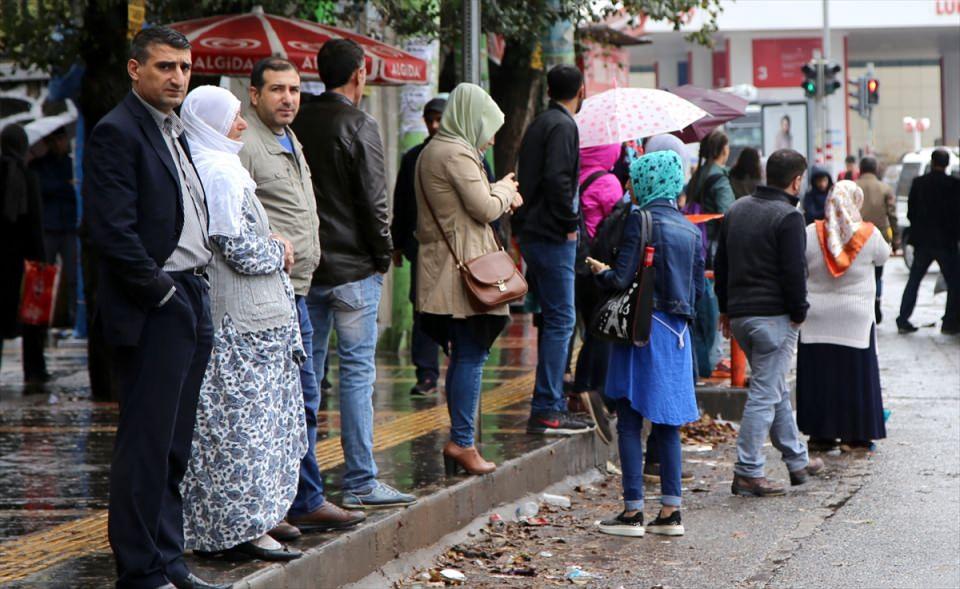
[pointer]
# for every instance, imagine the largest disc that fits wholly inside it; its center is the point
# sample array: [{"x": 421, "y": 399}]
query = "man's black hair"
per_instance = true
[
  {"x": 140, "y": 46},
  {"x": 436, "y": 105},
  {"x": 337, "y": 60},
  {"x": 940, "y": 158},
  {"x": 564, "y": 81},
  {"x": 868, "y": 165},
  {"x": 783, "y": 167},
  {"x": 850, "y": 159},
  {"x": 274, "y": 64}
]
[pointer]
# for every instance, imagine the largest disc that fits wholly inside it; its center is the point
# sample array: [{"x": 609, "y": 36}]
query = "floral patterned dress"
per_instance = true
[{"x": 250, "y": 432}]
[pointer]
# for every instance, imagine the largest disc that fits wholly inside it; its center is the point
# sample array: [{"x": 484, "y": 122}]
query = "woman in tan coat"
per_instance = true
[{"x": 453, "y": 194}]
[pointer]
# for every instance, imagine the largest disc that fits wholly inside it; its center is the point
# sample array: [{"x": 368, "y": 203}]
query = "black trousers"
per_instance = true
[
  {"x": 64, "y": 244},
  {"x": 159, "y": 382},
  {"x": 949, "y": 261}
]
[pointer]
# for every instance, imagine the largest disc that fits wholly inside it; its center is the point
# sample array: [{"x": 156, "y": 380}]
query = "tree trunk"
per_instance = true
[
  {"x": 105, "y": 83},
  {"x": 516, "y": 88}
]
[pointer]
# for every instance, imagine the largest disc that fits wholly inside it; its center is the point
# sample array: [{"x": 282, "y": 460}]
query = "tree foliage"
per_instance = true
[
  {"x": 49, "y": 33},
  {"x": 524, "y": 22}
]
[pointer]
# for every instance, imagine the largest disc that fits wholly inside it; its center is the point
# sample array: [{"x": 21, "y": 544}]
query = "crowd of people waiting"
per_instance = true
[{"x": 233, "y": 241}]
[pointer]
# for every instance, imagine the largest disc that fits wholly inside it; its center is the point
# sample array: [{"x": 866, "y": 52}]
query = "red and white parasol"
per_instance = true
[{"x": 229, "y": 45}]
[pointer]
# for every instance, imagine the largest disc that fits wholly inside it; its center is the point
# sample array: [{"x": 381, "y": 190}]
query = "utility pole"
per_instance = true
[
  {"x": 471, "y": 41},
  {"x": 821, "y": 79},
  {"x": 871, "y": 75}
]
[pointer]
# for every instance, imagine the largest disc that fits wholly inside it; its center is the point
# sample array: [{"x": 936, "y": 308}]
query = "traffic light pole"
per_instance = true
[
  {"x": 870, "y": 135},
  {"x": 818, "y": 101}
]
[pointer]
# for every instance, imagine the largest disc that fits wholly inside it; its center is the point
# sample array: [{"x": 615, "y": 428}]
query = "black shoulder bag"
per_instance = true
[{"x": 625, "y": 316}]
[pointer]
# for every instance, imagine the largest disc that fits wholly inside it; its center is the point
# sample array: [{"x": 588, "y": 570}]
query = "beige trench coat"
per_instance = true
[{"x": 452, "y": 176}]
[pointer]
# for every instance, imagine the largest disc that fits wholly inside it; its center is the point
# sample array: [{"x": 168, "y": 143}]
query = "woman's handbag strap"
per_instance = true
[{"x": 436, "y": 220}]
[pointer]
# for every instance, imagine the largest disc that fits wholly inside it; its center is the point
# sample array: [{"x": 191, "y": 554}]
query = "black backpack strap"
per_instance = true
[
  {"x": 646, "y": 229},
  {"x": 591, "y": 179}
]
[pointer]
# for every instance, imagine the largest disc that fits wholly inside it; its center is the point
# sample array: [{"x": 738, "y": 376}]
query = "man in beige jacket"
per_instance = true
[
  {"x": 274, "y": 157},
  {"x": 879, "y": 208}
]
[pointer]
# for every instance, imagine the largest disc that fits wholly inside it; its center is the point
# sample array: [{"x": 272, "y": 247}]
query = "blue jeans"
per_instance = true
[
  {"x": 310, "y": 488},
  {"x": 464, "y": 379},
  {"x": 768, "y": 343},
  {"x": 630, "y": 441},
  {"x": 551, "y": 276},
  {"x": 351, "y": 309},
  {"x": 704, "y": 333}
]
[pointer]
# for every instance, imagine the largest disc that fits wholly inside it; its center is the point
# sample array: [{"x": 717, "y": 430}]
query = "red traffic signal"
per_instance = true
[{"x": 873, "y": 86}]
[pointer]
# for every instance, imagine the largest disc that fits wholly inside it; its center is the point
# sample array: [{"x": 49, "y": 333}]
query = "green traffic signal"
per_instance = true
[{"x": 809, "y": 88}]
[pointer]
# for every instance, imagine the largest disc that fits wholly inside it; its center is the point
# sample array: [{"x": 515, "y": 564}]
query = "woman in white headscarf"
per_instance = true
[
  {"x": 838, "y": 376},
  {"x": 250, "y": 432}
]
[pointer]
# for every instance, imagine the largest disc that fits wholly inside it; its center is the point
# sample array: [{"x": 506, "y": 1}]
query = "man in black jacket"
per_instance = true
[
  {"x": 761, "y": 286},
  {"x": 546, "y": 226},
  {"x": 424, "y": 351},
  {"x": 933, "y": 208},
  {"x": 147, "y": 216},
  {"x": 343, "y": 149}
]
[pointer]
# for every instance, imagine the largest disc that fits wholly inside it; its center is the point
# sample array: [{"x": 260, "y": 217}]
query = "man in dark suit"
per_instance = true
[
  {"x": 933, "y": 208},
  {"x": 147, "y": 218}
]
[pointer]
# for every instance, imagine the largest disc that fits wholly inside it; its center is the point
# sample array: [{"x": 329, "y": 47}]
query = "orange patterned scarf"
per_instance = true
[{"x": 843, "y": 233}]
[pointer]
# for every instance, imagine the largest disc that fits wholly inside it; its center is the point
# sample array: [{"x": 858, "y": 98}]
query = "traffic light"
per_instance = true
[
  {"x": 830, "y": 82},
  {"x": 809, "y": 83},
  {"x": 873, "y": 87},
  {"x": 860, "y": 96}
]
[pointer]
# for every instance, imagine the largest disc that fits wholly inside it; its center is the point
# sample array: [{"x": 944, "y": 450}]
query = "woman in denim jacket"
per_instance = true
[{"x": 655, "y": 381}]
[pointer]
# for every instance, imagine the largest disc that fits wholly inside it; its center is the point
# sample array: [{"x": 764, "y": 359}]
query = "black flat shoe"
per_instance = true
[
  {"x": 253, "y": 551},
  {"x": 194, "y": 582},
  {"x": 250, "y": 551}
]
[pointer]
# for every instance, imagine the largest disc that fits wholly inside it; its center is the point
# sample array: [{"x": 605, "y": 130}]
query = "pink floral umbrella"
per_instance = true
[{"x": 623, "y": 114}]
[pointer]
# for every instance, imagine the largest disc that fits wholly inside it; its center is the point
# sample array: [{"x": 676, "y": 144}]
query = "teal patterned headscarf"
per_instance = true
[{"x": 655, "y": 176}]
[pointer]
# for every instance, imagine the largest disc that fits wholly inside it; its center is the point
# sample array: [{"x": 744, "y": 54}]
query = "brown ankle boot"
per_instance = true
[
  {"x": 468, "y": 459},
  {"x": 756, "y": 487}
]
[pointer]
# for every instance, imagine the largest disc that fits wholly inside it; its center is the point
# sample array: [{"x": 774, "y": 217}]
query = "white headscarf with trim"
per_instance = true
[{"x": 208, "y": 114}]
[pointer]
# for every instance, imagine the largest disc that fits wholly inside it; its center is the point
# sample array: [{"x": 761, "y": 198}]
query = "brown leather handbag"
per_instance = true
[{"x": 492, "y": 279}]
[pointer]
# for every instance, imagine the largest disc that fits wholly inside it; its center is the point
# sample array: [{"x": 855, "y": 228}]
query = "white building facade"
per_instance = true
[{"x": 913, "y": 44}]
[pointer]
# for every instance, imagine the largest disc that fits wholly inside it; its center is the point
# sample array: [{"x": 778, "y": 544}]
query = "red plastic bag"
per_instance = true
[{"x": 38, "y": 295}]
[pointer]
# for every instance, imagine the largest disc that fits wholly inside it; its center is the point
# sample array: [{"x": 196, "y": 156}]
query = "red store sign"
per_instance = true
[{"x": 777, "y": 62}]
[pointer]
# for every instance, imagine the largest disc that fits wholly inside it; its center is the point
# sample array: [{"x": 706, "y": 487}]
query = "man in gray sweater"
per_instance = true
[{"x": 761, "y": 287}]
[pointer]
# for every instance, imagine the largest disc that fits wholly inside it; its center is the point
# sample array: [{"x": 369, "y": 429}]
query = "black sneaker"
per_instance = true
[
  {"x": 623, "y": 526},
  {"x": 667, "y": 526},
  {"x": 950, "y": 329},
  {"x": 424, "y": 388},
  {"x": 557, "y": 424},
  {"x": 904, "y": 327}
]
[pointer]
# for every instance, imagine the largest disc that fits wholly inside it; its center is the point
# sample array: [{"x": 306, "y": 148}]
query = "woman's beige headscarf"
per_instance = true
[
  {"x": 471, "y": 116},
  {"x": 843, "y": 232}
]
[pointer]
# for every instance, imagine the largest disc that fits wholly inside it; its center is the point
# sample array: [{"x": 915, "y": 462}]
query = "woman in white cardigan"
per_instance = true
[{"x": 838, "y": 375}]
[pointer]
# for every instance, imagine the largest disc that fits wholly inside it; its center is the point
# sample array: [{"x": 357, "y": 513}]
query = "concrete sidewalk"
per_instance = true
[{"x": 891, "y": 519}]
